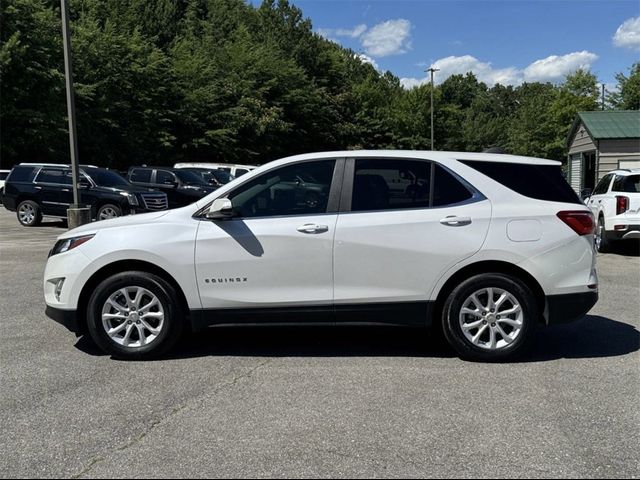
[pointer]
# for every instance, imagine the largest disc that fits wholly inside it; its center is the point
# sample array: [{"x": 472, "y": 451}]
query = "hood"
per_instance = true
[{"x": 94, "y": 227}]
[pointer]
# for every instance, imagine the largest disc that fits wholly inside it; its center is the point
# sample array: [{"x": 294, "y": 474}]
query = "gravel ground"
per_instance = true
[{"x": 315, "y": 402}]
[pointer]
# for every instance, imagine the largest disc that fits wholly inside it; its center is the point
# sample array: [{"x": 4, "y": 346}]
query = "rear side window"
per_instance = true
[
  {"x": 392, "y": 184},
  {"x": 542, "y": 182},
  {"x": 3, "y": 175},
  {"x": 54, "y": 176},
  {"x": 240, "y": 171},
  {"x": 21, "y": 174},
  {"x": 141, "y": 175},
  {"x": 603, "y": 185},
  {"x": 627, "y": 184}
]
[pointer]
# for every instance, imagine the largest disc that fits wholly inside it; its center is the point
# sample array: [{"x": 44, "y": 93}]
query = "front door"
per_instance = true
[
  {"x": 277, "y": 249},
  {"x": 408, "y": 222}
]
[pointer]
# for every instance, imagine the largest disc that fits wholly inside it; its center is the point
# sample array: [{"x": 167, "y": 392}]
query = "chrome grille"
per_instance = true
[{"x": 155, "y": 201}]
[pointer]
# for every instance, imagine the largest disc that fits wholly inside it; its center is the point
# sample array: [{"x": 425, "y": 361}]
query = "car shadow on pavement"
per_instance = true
[
  {"x": 591, "y": 337},
  {"x": 625, "y": 248}
]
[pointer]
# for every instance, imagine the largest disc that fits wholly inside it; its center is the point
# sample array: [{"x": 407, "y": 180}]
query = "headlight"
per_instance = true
[
  {"x": 133, "y": 200},
  {"x": 67, "y": 244}
]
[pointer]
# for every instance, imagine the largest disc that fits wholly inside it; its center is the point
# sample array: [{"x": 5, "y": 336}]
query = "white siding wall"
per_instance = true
[{"x": 575, "y": 170}]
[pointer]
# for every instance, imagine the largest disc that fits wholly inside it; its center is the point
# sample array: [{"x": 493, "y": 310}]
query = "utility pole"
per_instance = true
[
  {"x": 432, "y": 71},
  {"x": 76, "y": 215},
  {"x": 603, "y": 93}
]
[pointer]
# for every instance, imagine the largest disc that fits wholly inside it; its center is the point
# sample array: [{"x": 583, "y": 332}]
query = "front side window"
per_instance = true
[
  {"x": 627, "y": 184},
  {"x": 107, "y": 178},
  {"x": 140, "y": 175},
  {"x": 298, "y": 189},
  {"x": 165, "y": 178},
  {"x": 55, "y": 176}
]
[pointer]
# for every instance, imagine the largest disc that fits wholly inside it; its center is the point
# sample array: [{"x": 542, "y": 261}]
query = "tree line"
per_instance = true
[{"x": 221, "y": 80}]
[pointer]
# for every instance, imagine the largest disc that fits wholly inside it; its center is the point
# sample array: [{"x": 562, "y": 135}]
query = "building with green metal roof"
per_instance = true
[{"x": 602, "y": 141}]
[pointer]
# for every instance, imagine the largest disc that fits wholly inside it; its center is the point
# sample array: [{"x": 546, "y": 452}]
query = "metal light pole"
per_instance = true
[
  {"x": 76, "y": 215},
  {"x": 432, "y": 71}
]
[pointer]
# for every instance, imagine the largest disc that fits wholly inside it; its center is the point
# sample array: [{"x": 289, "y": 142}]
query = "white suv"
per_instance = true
[
  {"x": 615, "y": 203},
  {"x": 485, "y": 246}
]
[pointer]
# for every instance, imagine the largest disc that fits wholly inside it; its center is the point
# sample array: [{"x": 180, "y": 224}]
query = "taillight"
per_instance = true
[
  {"x": 622, "y": 205},
  {"x": 579, "y": 221}
]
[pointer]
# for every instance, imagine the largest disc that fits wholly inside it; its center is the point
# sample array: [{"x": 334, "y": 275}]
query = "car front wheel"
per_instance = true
[
  {"x": 108, "y": 211},
  {"x": 490, "y": 317},
  {"x": 134, "y": 315}
]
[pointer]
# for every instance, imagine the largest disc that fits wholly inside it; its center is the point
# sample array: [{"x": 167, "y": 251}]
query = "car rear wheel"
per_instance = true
[
  {"x": 29, "y": 213},
  {"x": 105, "y": 212},
  {"x": 490, "y": 317},
  {"x": 603, "y": 244},
  {"x": 134, "y": 315}
]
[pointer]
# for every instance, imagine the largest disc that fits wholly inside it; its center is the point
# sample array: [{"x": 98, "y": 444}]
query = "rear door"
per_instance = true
[
  {"x": 54, "y": 186},
  {"x": 402, "y": 224}
]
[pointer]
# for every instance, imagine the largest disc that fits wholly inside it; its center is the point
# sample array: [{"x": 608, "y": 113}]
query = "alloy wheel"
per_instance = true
[
  {"x": 133, "y": 317},
  {"x": 107, "y": 213},
  {"x": 491, "y": 318},
  {"x": 27, "y": 213}
]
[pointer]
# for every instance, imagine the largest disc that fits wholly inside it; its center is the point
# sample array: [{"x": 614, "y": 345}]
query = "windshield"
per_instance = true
[
  {"x": 107, "y": 178},
  {"x": 190, "y": 178}
]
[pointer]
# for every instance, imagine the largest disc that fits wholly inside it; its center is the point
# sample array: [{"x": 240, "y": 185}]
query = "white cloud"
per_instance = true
[
  {"x": 392, "y": 37},
  {"x": 330, "y": 33},
  {"x": 555, "y": 68},
  {"x": 552, "y": 68},
  {"x": 628, "y": 34},
  {"x": 367, "y": 59}
]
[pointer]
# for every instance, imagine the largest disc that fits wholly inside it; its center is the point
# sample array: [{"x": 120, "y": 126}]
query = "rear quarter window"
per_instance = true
[
  {"x": 541, "y": 182},
  {"x": 21, "y": 174},
  {"x": 627, "y": 184}
]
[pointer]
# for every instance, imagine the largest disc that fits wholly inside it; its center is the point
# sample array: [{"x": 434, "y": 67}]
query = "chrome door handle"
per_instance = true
[
  {"x": 66, "y": 190},
  {"x": 453, "y": 221},
  {"x": 313, "y": 228},
  {"x": 38, "y": 188}
]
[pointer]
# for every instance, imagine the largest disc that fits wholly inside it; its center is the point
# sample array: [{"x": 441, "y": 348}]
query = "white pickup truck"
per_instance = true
[{"x": 615, "y": 203}]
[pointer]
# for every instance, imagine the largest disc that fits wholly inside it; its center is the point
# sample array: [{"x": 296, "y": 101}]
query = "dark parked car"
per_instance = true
[
  {"x": 181, "y": 186},
  {"x": 37, "y": 190},
  {"x": 213, "y": 176}
]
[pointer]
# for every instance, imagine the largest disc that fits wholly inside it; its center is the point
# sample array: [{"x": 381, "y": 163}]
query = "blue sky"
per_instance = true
[{"x": 501, "y": 41}]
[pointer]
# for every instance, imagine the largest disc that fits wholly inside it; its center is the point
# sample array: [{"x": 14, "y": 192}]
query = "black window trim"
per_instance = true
[
  {"x": 333, "y": 203},
  {"x": 63, "y": 169},
  {"x": 132, "y": 171},
  {"x": 349, "y": 178},
  {"x": 154, "y": 178}
]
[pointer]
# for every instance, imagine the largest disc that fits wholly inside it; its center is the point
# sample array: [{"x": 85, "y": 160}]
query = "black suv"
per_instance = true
[
  {"x": 181, "y": 186},
  {"x": 37, "y": 190}
]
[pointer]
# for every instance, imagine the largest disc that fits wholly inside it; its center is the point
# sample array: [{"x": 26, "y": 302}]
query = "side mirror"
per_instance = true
[
  {"x": 585, "y": 193},
  {"x": 220, "y": 209}
]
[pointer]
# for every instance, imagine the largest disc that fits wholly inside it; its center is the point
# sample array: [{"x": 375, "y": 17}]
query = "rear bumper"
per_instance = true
[
  {"x": 631, "y": 231},
  {"x": 569, "y": 307},
  {"x": 67, "y": 318}
]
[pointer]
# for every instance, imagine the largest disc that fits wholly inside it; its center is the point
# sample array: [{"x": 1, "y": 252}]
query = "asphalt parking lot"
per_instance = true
[{"x": 315, "y": 402}]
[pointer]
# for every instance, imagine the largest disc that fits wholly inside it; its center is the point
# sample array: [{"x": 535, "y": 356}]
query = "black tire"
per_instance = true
[
  {"x": 603, "y": 243},
  {"x": 166, "y": 295},
  {"x": 29, "y": 213},
  {"x": 452, "y": 327},
  {"x": 108, "y": 208}
]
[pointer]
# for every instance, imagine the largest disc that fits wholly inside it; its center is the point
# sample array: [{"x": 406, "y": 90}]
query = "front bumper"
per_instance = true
[
  {"x": 569, "y": 307},
  {"x": 67, "y": 318}
]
